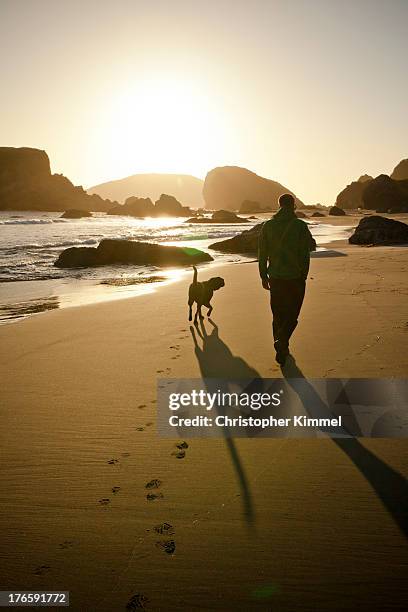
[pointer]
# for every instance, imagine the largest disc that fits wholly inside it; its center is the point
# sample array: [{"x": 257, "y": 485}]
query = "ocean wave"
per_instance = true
[
  {"x": 31, "y": 221},
  {"x": 50, "y": 245}
]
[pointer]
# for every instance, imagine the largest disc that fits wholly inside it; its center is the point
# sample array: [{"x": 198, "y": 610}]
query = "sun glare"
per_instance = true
[{"x": 163, "y": 125}]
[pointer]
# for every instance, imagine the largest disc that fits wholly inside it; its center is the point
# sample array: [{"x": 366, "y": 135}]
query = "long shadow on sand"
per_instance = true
[
  {"x": 388, "y": 484},
  {"x": 216, "y": 361}
]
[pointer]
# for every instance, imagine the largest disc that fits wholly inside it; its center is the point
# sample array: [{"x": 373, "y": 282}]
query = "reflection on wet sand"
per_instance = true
[{"x": 20, "y": 310}]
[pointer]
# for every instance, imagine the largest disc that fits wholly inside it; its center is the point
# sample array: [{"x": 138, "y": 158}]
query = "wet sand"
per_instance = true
[{"x": 313, "y": 523}]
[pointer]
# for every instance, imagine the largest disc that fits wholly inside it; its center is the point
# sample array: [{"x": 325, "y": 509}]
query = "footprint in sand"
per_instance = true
[
  {"x": 141, "y": 406},
  {"x": 164, "y": 529},
  {"x": 169, "y": 546},
  {"x": 175, "y": 347},
  {"x": 149, "y": 424},
  {"x": 137, "y": 602},
  {"x": 155, "y": 483},
  {"x": 125, "y": 454},
  {"x": 113, "y": 461},
  {"x": 182, "y": 444},
  {"x": 115, "y": 490},
  {"x": 104, "y": 501},
  {"x": 41, "y": 570},
  {"x": 66, "y": 544},
  {"x": 140, "y": 428},
  {"x": 153, "y": 402},
  {"x": 180, "y": 454},
  {"x": 159, "y": 371},
  {"x": 154, "y": 496}
]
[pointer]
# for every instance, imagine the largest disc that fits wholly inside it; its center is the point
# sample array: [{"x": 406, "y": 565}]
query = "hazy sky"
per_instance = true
[{"x": 311, "y": 93}]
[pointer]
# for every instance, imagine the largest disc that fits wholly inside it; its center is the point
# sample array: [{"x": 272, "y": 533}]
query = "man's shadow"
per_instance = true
[
  {"x": 388, "y": 484},
  {"x": 216, "y": 361}
]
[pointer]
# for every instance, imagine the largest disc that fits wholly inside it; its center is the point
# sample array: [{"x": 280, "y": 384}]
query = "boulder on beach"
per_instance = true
[
  {"x": 300, "y": 214},
  {"x": 227, "y": 187},
  {"x": 317, "y": 214},
  {"x": 110, "y": 252},
  {"x": 336, "y": 211},
  {"x": 74, "y": 213},
  {"x": 379, "y": 230},
  {"x": 245, "y": 242},
  {"x": 219, "y": 216}
]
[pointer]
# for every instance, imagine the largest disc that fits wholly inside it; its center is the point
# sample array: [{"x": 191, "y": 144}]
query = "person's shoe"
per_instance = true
[
  {"x": 281, "y": 354},
  {"x": 281, "y": 358}
]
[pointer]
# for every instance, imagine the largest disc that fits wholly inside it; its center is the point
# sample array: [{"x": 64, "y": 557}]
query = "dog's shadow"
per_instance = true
[
  {"x": 216, "y": 361},
  {"x": 215, "y": 357}
]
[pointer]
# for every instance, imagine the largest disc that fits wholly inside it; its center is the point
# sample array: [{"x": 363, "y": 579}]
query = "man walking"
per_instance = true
[{"x": 284, "y": 256}]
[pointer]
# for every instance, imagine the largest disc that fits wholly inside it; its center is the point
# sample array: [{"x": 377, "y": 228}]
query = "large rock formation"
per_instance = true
[
  {"x": 384, "y": 194},
  {"x": 26, "y": 183},
  {"x": 400, "y": 172},
  {"x": 110, "y": 252},
  {"x": 229, "y": 186},
  {"x": 379, "y": 230},
  {"x": 352, "y": 195},
  {"x": 219, "y": 216},
  {"x": 184, "y": 187}
]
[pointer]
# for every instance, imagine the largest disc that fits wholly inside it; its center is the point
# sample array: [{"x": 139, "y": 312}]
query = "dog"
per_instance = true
[{"x": 201, "y": 293}]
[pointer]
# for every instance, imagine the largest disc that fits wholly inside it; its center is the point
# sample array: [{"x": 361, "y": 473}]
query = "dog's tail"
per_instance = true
[{"x": 195, "y": 275}]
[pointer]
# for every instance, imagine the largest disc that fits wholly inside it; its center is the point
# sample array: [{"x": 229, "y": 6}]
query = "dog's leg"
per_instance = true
[
  {"x": 190, "y": 312},
  {"x": 209, "y": 311},
  {"x": 196, "y": 315},
  {"x": 200, "y": 314}
]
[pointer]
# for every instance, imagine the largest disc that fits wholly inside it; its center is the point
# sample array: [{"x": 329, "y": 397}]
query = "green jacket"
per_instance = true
[{"x": 284, "y": 247}]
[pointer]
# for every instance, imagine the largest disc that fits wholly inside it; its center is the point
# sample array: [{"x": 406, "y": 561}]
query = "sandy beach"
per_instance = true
[{"x": 317, "y": 523}]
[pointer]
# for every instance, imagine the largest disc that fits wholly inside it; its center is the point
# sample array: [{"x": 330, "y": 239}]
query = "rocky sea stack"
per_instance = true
[
  {"x": 165, "y": 206},
  {"x": 111, "y": 252},
  {"x": 384, "y": 194},
  {"x": 229, "y": 186},
  {"x": 26, "y": 183}
]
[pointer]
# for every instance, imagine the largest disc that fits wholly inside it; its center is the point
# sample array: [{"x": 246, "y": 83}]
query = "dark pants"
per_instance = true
[{"x": 286, "y": 301}]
